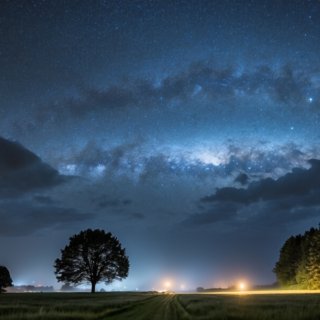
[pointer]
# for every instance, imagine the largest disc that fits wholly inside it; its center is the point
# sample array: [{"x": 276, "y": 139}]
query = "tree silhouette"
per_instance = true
[
  {"x": 313, "y": 263},
  {"x": 5, "y": 278},
  {"x": 290, "y": 256},
  {"x": 299, "y": 261},
  {"x": 90, "y": 257}
]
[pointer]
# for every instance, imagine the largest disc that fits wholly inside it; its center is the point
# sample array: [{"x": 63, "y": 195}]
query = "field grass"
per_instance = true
[{"x": 115, "y": 306}]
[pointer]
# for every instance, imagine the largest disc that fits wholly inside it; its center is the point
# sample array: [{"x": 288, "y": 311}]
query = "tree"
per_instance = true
[
  {"x": 289, "y": 260},
  {"x": 5, "y": 278},
  {"x": 313, "y": 263},
  {"x": 90, "y": 257},
  {"x": 302, "y": 276},
  {"x": 299, "y": 261}
]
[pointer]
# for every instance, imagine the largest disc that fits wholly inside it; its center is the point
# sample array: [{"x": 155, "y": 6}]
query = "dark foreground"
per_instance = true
[{"x": 149, "y": 306}]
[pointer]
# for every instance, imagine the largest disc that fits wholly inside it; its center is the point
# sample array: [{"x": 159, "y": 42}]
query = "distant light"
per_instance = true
[
  {"x": 242, "y": 286},
  {"x": 310, "y": 99},
  {"x": 167, "y": 284}
]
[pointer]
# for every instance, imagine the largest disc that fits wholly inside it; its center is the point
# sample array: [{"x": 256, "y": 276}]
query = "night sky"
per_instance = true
[{"x": 189, "y": 129}]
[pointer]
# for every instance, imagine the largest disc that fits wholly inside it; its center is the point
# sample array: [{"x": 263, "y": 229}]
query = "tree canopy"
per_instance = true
[
  {"x": 5, "y": 278},
  {"x": 92, "y": 256},
  {"x": 299, "y": 261}
]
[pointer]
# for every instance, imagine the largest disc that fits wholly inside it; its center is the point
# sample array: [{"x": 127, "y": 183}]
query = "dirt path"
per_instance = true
[{"x": 165, "y": 307}]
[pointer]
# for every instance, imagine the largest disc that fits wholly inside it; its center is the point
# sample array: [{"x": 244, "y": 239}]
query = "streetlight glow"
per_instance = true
[{"x": 242, "y": 286}]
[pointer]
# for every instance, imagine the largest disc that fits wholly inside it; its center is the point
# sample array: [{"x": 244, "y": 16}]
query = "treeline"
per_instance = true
[{"x": 299, "y": 262}]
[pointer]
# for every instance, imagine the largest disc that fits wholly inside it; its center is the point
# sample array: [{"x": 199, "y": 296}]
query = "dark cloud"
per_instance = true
[
  {"x": 264, "y": 203},
  {"x": 299, "y": 182},
  {"x": 223, "y": 211},
  {"x": 242, "y": 178},
  {"x": 22, "y": 171},
  {"x": 204, "y": 81},
  {"x": 113, "y": 203},
  {"x": 44, "y": 199},
  {"x": 289, "y": 86},
  {"x": 114, "y": 158},
  {"x": 24, "y": 218}
]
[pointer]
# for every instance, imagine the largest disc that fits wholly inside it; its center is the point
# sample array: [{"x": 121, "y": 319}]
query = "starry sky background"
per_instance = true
[{"x": 189, "y": 129}]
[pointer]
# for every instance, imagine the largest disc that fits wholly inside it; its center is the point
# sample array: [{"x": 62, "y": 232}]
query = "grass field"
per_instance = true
[{"x": 115, "y": 306}]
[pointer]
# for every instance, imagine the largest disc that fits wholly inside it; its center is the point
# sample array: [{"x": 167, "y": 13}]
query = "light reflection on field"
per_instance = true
[{"x": 260, "y": 292}]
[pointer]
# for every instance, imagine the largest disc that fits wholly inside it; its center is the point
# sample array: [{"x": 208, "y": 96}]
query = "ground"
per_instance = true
[{"x": 149, "y": 306}]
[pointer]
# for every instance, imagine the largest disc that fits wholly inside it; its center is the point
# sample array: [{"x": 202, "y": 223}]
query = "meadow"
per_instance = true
[{"x": 148, "y": 306}]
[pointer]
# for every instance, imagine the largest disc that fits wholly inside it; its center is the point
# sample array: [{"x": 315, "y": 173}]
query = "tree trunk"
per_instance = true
[{"x": 93, "y": 287}]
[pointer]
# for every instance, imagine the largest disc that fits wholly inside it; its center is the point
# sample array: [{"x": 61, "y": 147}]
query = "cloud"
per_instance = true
[
  {"x": 268, "y": 202},
  {"x": 242, "y": 178},
  {"x": 104, "y": 201},
  {"x": 42, "y": 199},
  {"x": 200, "y": 82},
  {"x": 299, "y": 182},
  {"x": 22, "y": 218},
  {"x": 223, "y": 211},
  {"x": 22, "y": 171}
]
